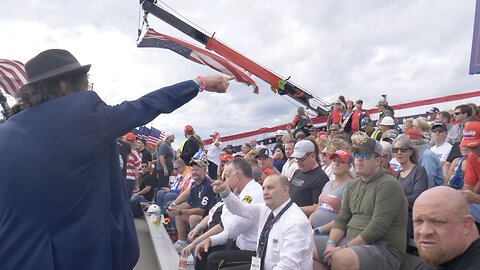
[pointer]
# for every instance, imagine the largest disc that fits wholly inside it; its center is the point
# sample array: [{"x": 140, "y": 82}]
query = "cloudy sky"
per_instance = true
[{"x": 409, "y": 50}]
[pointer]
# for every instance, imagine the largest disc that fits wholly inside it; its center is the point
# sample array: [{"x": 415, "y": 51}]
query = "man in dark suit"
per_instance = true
[{"x": 62, "y": 201}]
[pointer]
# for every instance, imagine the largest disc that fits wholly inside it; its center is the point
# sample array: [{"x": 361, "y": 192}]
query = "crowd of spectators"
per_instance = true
[{"x": 349, "y": 174}]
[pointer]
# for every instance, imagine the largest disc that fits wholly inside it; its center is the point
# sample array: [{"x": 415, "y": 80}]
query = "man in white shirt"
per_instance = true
[
  {"x": 291, "y": 165},
  {"x": 439, "y": 135},
  {"x": 213, "y": 155},
  {"x": 284, "y": 233},
  {"x": 238, "y": 176}
]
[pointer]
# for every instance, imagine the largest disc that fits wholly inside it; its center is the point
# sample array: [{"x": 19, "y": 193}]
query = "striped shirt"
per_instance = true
[{"x": 133, "y": 164}]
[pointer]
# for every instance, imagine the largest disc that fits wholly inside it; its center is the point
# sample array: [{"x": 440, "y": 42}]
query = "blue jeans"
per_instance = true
[
  {"x": 130, "y": 185},
  {"x": 135, "y": 205},
  {"x": 162, "y": 198}
]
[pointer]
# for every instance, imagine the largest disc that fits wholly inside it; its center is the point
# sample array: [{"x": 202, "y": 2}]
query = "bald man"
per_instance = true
[{"x": 444, "y": 231}]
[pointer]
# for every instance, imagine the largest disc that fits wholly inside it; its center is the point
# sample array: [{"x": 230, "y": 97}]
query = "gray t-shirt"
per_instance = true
[
  {"x": 329, "y": 203},
  {"x": 166, "y": 150}
]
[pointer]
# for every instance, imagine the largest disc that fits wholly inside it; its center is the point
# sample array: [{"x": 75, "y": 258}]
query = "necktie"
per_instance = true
[{"x": 262, "y": 242}]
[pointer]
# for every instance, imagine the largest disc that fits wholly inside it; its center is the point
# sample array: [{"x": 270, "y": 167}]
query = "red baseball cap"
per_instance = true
[
  {"x": 343, "y": 155},
  {"x": 321, "y": 134},
  {"x": 130, "y": 137},
  {"x": 188, "y": 128},
  {"x": 226, "y": 157},
  {"x": 471, "y": 135},
  {"x": 268, "y": 171},
  {"x": 413, "y": 134}
]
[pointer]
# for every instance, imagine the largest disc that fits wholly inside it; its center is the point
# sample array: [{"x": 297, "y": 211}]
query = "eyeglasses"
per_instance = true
[
  {"x": 438, "y": 130},
  {"x": 144, "y": 166},
  {"x": 365, "y": 156},
  {"x": 401, "y": 150},
  {"x": 175, "y": 168},
  {"x": 303, "y": 158},
  {"x": 457, "y": 113}
]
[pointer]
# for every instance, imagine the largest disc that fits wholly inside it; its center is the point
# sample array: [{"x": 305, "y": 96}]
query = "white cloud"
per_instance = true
[{"x": 409, "y": 50}]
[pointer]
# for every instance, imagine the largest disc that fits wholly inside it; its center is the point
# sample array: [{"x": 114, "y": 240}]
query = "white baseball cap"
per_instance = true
[{"x": 302, "y": 148}]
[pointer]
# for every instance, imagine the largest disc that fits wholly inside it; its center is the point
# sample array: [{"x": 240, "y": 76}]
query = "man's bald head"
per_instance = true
[
  {"x": 442, "y": 224},
  {"x": 275, "y": 190},
  {"x": 447, "y": 198}
]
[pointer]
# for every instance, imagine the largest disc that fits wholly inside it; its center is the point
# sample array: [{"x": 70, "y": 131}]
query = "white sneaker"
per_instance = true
[
  {"x": 190, "y": 259},
  {"x": 179, "y": 246}
]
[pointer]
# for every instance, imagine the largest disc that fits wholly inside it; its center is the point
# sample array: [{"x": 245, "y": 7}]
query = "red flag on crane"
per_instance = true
[
  {"x": 196, "y": 54},
  {"x": 12, "y": 76}
]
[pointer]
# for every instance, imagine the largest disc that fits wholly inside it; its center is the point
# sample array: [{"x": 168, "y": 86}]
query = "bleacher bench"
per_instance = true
[{"x": 166, "y": 254}]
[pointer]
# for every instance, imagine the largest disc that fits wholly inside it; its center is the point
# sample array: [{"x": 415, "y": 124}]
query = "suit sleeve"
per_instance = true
[{"x": 115, "y": 121}]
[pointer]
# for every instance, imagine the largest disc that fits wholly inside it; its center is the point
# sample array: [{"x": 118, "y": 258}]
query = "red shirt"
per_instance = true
[
  {"x": 336, "y": 116},
  {"x": 472, "y": 170},
  {"x": 355, "y": 117}
]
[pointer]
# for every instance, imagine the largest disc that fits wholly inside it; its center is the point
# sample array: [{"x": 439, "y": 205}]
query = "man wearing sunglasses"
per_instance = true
[
  {"x": 146, "y": 191},
  {"x": 375, "y": 209},
  {"x": 439, "y": 135},
  {"x": 460, "y": 114}
]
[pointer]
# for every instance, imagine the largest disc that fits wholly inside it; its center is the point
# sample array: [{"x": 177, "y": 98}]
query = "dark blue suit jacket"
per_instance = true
[{"x": 62, "y": 201}]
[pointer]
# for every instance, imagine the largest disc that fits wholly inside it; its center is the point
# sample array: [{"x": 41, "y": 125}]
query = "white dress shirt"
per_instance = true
[
  {"x": 242, "y": 229},
  {"x": 290, "y": 244}
]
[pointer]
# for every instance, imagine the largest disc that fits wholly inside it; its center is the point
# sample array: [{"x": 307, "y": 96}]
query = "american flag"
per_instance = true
[
  {"x": 196, "y": 54},
  {"x": 12, "y": 76},
  {"x": 151, "y": 135},
  {"x": 155, "y": 136}
]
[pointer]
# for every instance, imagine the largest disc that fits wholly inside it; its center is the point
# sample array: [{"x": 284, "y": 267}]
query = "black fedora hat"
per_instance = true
[{"x": 52, "y": 63}]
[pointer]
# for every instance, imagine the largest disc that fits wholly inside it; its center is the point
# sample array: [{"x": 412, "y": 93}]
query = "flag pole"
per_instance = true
[{"x": 279, "y": 85}]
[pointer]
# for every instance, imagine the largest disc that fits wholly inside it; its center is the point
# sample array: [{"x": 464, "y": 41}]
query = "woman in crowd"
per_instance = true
[
  {"x": 412, "y": 176},
  {"x": 279, "y": 157},
  {"x": 347, "y": 120},
  {"x": 358, "y": 137},
  {"x": 332, "y": 146},
  {"x": 246, "y": 147},
  {"x": 456, "y": 171},
  {"x": 301, "y": 122},
  {"x": 387, "y": 158},
  {"x": 330, "y": 199}
]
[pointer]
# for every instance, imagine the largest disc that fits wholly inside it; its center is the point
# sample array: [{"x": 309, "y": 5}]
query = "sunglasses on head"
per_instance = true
[
  {"x": 400, "y": 149},
  {"x": 365, "y": 156}
]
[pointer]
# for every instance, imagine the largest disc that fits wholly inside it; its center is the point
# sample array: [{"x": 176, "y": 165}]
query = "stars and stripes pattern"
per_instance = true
[
  {"x": 12, "y": 76},
  {"x": 196, "y": 54},
  {"x": 151, "y": 135}
]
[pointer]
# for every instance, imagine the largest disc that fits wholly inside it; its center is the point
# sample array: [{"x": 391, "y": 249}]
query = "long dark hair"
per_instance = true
[{"x": 37, "y": 93}]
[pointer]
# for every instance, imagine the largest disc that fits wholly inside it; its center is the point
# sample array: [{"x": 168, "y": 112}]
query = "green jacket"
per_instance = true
[{"x": 377, "y": 211}]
